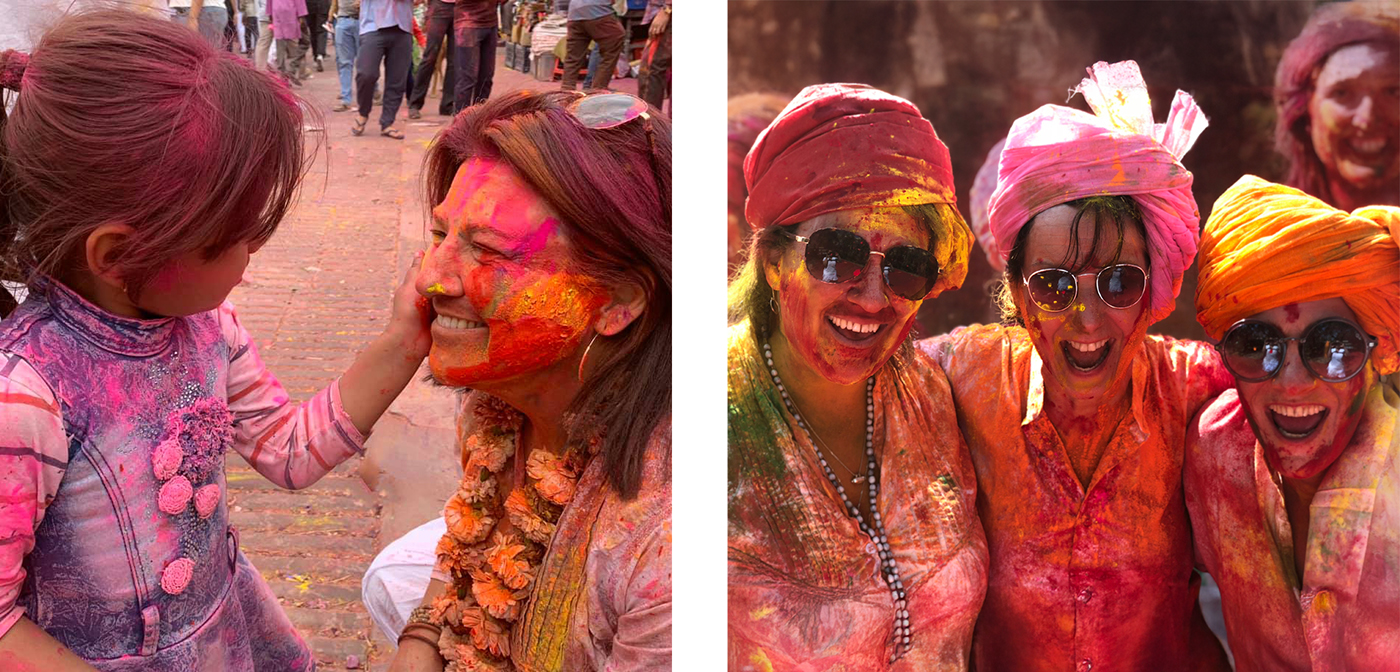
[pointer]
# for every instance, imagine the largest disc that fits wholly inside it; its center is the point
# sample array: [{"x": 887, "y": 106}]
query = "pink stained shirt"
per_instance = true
[
  {"x": 805, "y": 589},
  {"x": 1097, "y": 578},
  {"x": 292, "y": 445},
  {"x": 1345, "y": 613}
]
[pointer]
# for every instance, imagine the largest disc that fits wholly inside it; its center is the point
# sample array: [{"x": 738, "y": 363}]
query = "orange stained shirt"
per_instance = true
[
  {"x": 1344, "y": 613},
  {"x": 1097, "y": 578}
]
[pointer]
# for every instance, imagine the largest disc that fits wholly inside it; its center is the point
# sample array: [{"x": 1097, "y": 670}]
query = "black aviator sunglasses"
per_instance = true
[{"x": 835, "y": 256}]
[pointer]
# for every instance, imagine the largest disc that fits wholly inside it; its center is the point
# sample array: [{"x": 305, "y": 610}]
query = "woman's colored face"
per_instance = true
[
  {"x": 1304, "y": 423},
  {"x": 501, "y": 277},
  {"x": 1354, "y": 115},
  {"x": 846, "y": 331},
  {"x": 1089, "y": 346}
]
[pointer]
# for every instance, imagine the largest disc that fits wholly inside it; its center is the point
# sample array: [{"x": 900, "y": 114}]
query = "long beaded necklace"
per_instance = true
[{"x": 875, "y": 529}]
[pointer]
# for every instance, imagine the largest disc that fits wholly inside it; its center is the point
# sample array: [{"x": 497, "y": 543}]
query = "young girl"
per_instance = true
[{"x": 139, "y": 170}]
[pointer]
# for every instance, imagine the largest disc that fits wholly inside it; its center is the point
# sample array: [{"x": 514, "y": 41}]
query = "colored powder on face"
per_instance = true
[
  {"x": 437, "y": 288},
  {"x": 1291, "y": 312}
]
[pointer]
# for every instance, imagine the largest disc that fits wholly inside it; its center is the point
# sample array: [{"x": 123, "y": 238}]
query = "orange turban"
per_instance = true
[{"x": 1267, "y": 245}]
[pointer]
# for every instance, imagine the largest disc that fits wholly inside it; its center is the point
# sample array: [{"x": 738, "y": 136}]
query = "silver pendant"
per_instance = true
[{"x": 858, "y": 479}]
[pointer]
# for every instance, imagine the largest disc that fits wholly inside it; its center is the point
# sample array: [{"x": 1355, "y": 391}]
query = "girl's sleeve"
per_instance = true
[
  {"x": 33, "y": 457},
  {"x": 292, "y": 445}
]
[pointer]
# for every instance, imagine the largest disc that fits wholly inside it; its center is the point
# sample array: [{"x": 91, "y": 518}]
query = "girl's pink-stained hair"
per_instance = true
[{"x": 122, "y": 117}]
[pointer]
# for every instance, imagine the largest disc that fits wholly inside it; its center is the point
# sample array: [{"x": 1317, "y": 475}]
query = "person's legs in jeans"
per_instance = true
[
  {"x": 398, "y": 58},
  {"x": 212, "y": 21},
  {"x": 439, "y": 31},
  {"x": 468, "y": 69},
  {"x": 372, "y": 47},
  {"x": 486, "y": 64},
  {"x": 575, "y": 52},
  {"x": 264, "y": 43},
  {"x": 347, "y": 42},
  {"x": 611, "y": 38},
  {"x": 656, "y": 69}
]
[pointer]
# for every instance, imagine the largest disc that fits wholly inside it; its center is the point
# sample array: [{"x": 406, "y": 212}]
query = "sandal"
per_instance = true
[
  {"x": 359, "y": 127},
  {"x": 392, "y": 132},
  {"x": 340, "y": 107}
]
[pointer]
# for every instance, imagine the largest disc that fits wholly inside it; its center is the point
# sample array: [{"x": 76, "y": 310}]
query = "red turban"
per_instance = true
[{"x": 846, "y": 146}]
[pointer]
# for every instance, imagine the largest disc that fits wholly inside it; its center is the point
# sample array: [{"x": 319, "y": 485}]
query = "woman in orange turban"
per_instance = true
[
  {"x": 853, "y": 542},
  {"x": 1291, "y": 477}
]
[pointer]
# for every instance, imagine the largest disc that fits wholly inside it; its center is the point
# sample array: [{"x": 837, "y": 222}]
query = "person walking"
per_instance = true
[
  {"x": 386, "y": 34},
  {"x": 474, "y": 30},
  {"x": 347, "y": 45},
  {"x": 439, "y": 22},
  {"x": 316, "y": 13},
  {"x": 592, "y": 21},
  {"x": 287, "y": 17},
  {"x": 656, "y": 60},
  {"x": 249, "y": 10},
  {"x": 264, "y": 36},
  {"x": 208, "y": 20}
]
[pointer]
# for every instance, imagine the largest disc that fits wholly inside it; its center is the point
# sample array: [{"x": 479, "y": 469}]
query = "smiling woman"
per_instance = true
[
  {"x": 549, "y": 283},
  {"x": 1291, "y": 478},
  {"x": 837, "y": 428}
]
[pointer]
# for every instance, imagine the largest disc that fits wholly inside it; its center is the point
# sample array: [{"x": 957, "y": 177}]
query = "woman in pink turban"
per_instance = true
[
  {"x": 1074, "y": 416},
  {"x": 853, "y": 539},
  {"x": 1338, "y": 95}
]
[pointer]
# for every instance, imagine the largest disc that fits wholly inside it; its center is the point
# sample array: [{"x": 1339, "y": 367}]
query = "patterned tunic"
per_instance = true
[
  {"x": 1097, "y": 578},
  {"x": 87, "y": 400},
  {"x": 805, "y": 590},
  {"x": 1345, "y": 613}
]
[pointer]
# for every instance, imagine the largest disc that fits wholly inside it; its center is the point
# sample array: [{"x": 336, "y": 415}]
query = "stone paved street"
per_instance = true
[{"x": 314, "y": 296}]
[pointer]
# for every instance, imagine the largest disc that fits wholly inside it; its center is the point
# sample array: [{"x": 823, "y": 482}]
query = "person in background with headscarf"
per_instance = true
[
  {"x": 1075, "y": 417},
  {"x": 853, "y": 539},
  {"x": 1291, "y": 477},
  {"x": 1338, "y": 95},
  {"x": 749, "y": 114}
]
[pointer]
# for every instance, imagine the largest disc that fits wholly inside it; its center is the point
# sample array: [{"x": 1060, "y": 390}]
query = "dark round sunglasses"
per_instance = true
[
  {"x": 837, "y": 255},
  {"x": 1055, "y": 289},
  {"x": 1333, "y": 350}
]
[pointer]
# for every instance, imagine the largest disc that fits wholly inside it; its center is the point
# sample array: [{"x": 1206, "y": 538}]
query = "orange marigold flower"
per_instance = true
[
  {"x": 465, "y": 522},
  {"x": 521, "y": 513},
  {"x": 495, "y": 598},
  {"x": 554, "y": 477},
  {"x": 477, "y": 486},
  {"x": 505, "y": 560},
  {"x": 492, "y": 636},
  {"x": 447, "y": 609},
  {"x": 493, "y": 413}
]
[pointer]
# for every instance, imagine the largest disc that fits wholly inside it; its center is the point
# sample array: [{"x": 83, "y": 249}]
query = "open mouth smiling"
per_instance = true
[
  {"x": 1086, "y": 357},
  {"x": 855, "y": 330},
  {"x": 1297, "y": 421}
]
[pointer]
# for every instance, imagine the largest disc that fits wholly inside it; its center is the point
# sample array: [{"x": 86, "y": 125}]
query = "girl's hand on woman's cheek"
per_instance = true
[{"x": 412, "y": 315}]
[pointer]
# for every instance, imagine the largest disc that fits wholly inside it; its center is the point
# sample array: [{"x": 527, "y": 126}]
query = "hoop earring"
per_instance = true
[
  {"x": 584, "y": 360},
  {"x": 773, "y": 303}
]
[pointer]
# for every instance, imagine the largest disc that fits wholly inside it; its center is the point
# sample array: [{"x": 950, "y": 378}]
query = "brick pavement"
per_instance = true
[{"x": 316, "y": 294}]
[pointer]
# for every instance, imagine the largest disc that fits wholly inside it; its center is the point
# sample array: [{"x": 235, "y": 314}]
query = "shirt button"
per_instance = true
[
  {"x": 1085, "y": 595},
  {"x": 1085, "y": 665}
]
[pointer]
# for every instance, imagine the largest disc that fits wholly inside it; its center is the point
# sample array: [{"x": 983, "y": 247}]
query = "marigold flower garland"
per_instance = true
[{"x": 492, "y": 565}]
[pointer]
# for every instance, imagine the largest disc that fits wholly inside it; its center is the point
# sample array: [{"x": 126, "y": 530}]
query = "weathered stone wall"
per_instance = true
[{"x": 974, "y": 67}]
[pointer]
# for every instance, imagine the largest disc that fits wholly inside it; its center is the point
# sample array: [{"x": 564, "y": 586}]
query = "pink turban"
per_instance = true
[
  {"x": 979, "y": 198},
  {"x": 1057, "y": 154},
  {"x": 845, "y": 146}
]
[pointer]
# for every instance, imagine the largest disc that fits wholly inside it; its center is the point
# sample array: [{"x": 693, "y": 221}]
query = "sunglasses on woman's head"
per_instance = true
[
  {"x": 1333, "y": 350},
  {"x": 836, "y": 255},
  {"x": 1055, "y": 289},
  {"x": 610, "y": 110}
]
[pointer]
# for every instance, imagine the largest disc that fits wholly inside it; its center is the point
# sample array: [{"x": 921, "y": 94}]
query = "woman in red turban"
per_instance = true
[{"x": 853, "y": 539}]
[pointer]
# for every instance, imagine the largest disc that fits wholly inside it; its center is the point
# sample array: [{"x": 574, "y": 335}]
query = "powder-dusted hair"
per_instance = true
[
  {"x": 613, "y": 188},
  {"x": 122, "y": 117},
  {"x": 1331, "y": 27}
]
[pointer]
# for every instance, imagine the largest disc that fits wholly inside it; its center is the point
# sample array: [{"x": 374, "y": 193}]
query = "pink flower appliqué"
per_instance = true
[
  {"x": 203, "y": 430},
  {"x": 165, "y": 461},
  {"x": 176, "y": 576},
  {"x": 206, "y": 500},
  {"x": 175, "y": 495}
]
